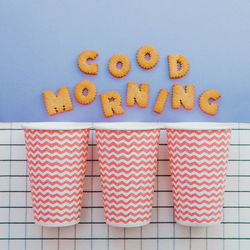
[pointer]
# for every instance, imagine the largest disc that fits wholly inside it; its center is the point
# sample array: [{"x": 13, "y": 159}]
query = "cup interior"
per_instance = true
[
  {"x": 198, "y": 126},
  {"x": 127, "y": 126},
  {"x": 56, "y": 125}
]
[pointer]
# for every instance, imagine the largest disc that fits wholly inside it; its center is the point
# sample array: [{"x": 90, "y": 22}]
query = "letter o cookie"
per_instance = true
[
  {"x": 80, "y": 87},
  {"x": 91, "y": 68},
  {"x": 119, "y": 72},
  {"x": 141, "y": 57},
  {"x": 209, "y": 108}
]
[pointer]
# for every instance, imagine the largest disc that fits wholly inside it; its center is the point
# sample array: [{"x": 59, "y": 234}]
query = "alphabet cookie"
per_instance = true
[
  {"x": 209, "y": 108},
  {"x": 111, "y": 103},
  {"x": 161, "y": 100},
  {"x": 183, "y": 96},
  {"x": 91, "y": 68},
  {"x": 125, "y": 65},
  {"x": 57, "y": 103},
  {"x": 85, "y": 85},
  {"x": 153, "y": 57},
  {"x": 177, "y": 60},
  {"x": 140, "y": 95}
]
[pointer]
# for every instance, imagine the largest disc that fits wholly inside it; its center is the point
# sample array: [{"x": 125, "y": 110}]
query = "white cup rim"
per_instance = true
[
  {"x": 127, "y": 126},
  {"x": 197, "y": 126},
  {"x": 56, "y": 125}
]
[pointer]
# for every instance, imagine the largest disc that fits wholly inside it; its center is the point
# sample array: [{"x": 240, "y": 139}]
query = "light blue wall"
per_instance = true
[{"x": 40, "y": 42}]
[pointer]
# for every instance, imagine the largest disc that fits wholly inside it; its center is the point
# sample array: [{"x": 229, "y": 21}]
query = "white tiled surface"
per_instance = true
[{"x": 18, "y": 231}]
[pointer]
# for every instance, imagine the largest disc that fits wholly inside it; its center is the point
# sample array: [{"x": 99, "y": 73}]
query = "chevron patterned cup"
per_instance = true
[
  {"x": 127, "y": 154},
  {"x": 198, "y": 154},
  {"x": 56, "y": 157}
]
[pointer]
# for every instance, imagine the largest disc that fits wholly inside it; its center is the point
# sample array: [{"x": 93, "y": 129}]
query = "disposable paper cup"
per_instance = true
[
  {"x": 198, "y": 154},
  {"x": 56, "y": 156},
  {"x": 127, "y": 154}
]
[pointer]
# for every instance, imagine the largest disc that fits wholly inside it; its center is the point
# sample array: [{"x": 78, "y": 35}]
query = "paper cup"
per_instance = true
[
  {"x": 127, "y": 154},
  {"x": 56, "y": 157},
  {"x": 198, "y": 154}
]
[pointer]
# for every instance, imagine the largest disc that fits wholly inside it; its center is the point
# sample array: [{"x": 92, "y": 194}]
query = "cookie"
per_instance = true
[
  {"x": 140, "y": 95},
  {"x": 125, "y": 65},
  {"x": 161, "y": 100},
  {"x": 57, "y": 103},
  {"x": 90, "y": 96},
  {"x": 173, "y": 62},
  {"x": 209, "y": 108},
  {"x": 84, "y": 66},
  {"x": 153, "y": 57},
  {"x": 183, "y": 96},
  {"x": 111, "y": 103}
]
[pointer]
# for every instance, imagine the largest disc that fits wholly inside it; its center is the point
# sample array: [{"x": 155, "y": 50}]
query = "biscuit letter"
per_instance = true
[
  {"x": 85, "y": 85},
  {"x": 209, "y": 108},
  {"x": 140, "y": 95},
  {"x": 161, "y": 100},
  {"x": 91, "y": 68},
  {"x": 173, "y": 62},
  {"x": 111, "y": 103},
  {"x": 183, "y": 96},
  {"x": 141, "y": 57},
  {"x": 125, "y": 65},
  {"x": 57, "y": 103}
]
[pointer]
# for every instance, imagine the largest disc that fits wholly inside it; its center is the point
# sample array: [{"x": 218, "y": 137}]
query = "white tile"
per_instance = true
[
  {"x": 133, "y": 232},
  {"x": 83, "y": 245},
  {"x": 116, "y": 232},
  {"x": 166, "y": 230},
  {"x": 5, "y": 125},
  {"x": 116, "y": 245},
  {"x": 4, "y": 167},
  {"x": 17, "y": 244},
  {"x": 4, "y": 198},
  {"x": 231, "y": 199},
  {"x": 244, "y": 230},
  {"x": 66, "y": 244},
  {"x": 197, "y": 244},
  {"x": 100, "y": 231},
  {"x": 230, "y": 214},
  {"x": 83, "y": 231},
  {"x": 232, "y": 244},
  {"x": 4, "y": 243},
  {"x": 19, "y": 168},
  {"x": 245, "y": 153},
  {"x": 165, "y": 199},
  {"x": 244, "y": 244},
  {"x": 214, "y": 245},
  {"x": 50, "y": 244},
  {"x": 149, "y": 230},
  {"x": 182, "y": 231},
  {"x": 18, "y": 183},
  {"x": 4, "y": 231},
  {"x": 215, "y": 231},
  {"x": 244, "y": 167},
  {"x": 100, "y": 244},
  {"x": 17, "y": 214},
  {"x": 33, "y": 231},
  {"x": 4, "y": 137},
  {"x": 182, "y": 244},
  {"x": 18, "y": 198},
  {"x": 231, "y": 183},
  {"x": 86, "y": 215},
  {"x": 98, "y": 214},
  {"x": 17, "y": 230},
  {"x": 132, "y": 245},
  {"x": 50, "y": 232},
  {"x": 165, "y": 214},
  {"x": 33, "y": 244},
  {"x": 245, "y": 199},
  {"x": 67, "y": 232},
  {"x": 198, "y": 232},
  {"x": 4, "y": 215},
  {"x": 17, "y": 137},
  {"x": 164, "y": 183},
  {"x": 4, "y": 183},
  {"x": 18, "y": 153},
  {"x": 4, "y": 153},
  {"x": 166, "y": 244},
  {"x": 244, "y": 214},
  {"x": 149, "y": 244},
  {"x": 231, "y": 230}
]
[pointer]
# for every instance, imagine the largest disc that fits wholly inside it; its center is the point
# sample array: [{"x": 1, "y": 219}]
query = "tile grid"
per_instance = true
[{"x": 17, "y": 229}]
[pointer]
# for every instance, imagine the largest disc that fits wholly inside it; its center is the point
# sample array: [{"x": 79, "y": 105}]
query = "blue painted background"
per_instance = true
[{"x": 40, "y": 42}]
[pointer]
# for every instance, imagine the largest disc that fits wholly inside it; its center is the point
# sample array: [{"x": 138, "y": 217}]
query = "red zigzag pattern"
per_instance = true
[
  {"x": 198, "y": 162},
  {"x": 127, "y": 161},
  {"x": 56, "y": 163}
]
